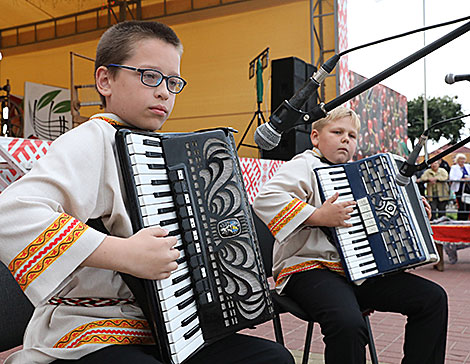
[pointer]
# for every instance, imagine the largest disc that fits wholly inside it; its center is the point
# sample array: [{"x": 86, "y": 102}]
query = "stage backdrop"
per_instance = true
[
  {"x": 383, "y": 113},
  {"x": 46, "y": 111}
]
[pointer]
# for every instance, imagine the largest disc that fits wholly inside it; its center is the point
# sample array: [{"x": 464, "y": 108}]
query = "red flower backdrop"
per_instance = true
[{"x": 383, "y": 114}]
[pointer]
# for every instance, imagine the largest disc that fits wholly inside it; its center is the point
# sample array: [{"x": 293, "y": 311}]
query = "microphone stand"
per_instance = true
[
  {"x": 427, "y": 163},
  {"x": 322, "y": 109}
]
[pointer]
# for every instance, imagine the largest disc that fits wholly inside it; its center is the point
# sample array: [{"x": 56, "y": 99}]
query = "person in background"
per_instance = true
[
  {"x": 437, "y": 189},
  {"x": 458, "y": 172},
  {"x": 445, "y": 165}
]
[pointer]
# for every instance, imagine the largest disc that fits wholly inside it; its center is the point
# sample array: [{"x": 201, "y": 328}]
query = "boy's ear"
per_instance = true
[
  {"x": 314, "y": 137},
  {"x": 102, "y": 80}
]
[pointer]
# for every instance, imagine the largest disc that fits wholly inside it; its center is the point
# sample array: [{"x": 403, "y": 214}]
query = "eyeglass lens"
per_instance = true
[{"x": 153, "y": 78}]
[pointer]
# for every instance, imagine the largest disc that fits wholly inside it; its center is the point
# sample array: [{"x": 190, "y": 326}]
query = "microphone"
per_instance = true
[
  {"x": 451, "y": 78},
  {"x": 408, "y": 168},
  {"x": 267, "y": 136}
]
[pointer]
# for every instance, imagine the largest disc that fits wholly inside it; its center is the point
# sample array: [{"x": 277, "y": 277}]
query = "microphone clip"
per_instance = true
[{"x": 286, "y": 111}]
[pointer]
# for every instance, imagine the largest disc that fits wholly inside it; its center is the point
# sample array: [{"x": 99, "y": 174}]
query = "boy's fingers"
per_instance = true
[
  {"x": 157, "y": 231},
  {"x": 333, "y": 198}
]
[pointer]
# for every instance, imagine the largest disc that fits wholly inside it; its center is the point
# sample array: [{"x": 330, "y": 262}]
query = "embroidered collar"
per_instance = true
[
  {"x": 114, "y": 120},
  {"x": 320, "y": 156}
]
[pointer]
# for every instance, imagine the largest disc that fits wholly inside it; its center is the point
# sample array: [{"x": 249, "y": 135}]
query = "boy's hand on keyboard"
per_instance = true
[
  {"x": 332, "y": 214},
  {"x": 148, "y": 254},
  {"x": 152, "y": 255}
]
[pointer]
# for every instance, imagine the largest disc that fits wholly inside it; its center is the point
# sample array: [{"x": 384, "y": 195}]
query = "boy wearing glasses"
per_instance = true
[{"x": 84, "y": 312}]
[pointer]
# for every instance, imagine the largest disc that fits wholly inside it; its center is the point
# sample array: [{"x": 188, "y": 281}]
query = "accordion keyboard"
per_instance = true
[
  {"x": 157, "y": 208},
  {"x": 390, "y": 228}
]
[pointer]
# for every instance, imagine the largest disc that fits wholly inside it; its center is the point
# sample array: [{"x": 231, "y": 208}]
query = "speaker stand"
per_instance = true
[{"x": 258, "y": 115}]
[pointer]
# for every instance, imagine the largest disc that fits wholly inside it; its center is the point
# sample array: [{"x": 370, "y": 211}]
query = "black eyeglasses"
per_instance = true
[{"x": 153, "y": 78}]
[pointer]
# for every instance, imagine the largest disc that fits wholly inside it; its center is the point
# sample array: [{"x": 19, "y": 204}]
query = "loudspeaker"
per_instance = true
[{"x": 287, "y": 76}]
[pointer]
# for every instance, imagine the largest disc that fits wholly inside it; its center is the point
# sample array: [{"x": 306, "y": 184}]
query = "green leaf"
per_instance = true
[
  {"x": 46, "y": 99},
  {"x": 61, "y": 107}
]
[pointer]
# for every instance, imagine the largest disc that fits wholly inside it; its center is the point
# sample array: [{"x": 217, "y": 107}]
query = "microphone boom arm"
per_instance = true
[{"x": 322, "y": 109}]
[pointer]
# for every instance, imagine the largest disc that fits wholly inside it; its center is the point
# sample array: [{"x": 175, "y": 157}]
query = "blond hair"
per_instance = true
[{"x": 336, "y": 114}]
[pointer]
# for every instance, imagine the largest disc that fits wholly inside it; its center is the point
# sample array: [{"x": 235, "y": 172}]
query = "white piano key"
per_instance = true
[
  {"x": 151, "y": 200},
  {"x": 346, "y": 232},
  {"x": 356, "y": 275},
  {"x": 176, "y": 347},
  {"x": 146, "y": 179},
  {"x": 170, "y": 291},
  {"x": 362, "y": 262},
  {"x": 354, "y": 247},
  {"x": 149, "y": 189},
  {"x": 181, "y": 270},
  {"x": 175, "y": 336},
  {"x": 137, "y": 159},
  {"x": 172, "y": 302},
  {"x": 329, "y": 171},
  {"x": 153, "y": 208},
  {"x": 139, "y": 138},
  {"x": 182, "y": 355},
  {"x": 142, "y": 149},
  {"x": 177, "y": 321},
  {"x": 356, "y": 252}
]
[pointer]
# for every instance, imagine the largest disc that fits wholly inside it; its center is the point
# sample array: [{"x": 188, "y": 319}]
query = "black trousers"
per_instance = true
[
  {"x": 463, "y": 209},
  {"x": 234, "y": 349},
  {"x": 337, "y": 305}
]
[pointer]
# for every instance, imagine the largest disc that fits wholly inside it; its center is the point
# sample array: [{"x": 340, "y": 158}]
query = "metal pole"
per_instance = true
[{"x": 425, "y": 98}]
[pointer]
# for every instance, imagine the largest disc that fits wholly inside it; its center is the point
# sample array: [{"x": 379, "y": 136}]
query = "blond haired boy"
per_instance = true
[{"x": 307, "y": 266}]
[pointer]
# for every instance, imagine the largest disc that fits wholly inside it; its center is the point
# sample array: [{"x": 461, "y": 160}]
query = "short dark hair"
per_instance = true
[{"x": 116, "y": 45}]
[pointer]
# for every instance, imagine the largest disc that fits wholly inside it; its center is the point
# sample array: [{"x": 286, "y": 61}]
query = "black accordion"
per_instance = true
[
  {"x": 391, "y": 230},
  {"x": 191, "y": 185}
]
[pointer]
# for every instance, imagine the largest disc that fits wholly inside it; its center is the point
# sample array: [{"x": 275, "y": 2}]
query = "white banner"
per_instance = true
[{"x": 46, "y": 111}]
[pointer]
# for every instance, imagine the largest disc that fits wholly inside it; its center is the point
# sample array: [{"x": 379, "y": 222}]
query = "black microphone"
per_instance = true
[
  {"x": 268, "y": 135},
  {"x": 451, "y": 78},
  {"x": 409, "y": 167}
]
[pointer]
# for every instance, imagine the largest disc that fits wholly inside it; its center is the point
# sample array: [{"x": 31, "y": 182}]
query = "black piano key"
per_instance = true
[
  {"x": 168, "y": 222},
  {"x": 181, "y": 260},
  {"x": 368, "y": 270},
  {"x": 359, "y": 240},
  {"x": 185, "y": 303},
  {"x": 361, "y": 247},
  {"x": 191, "y": 332},
  {"x": 158, "y": 182},
  {"x": 153, "y": 154},
  {"x": 156, "y": 166},
  {"x": 162, "y": 194},
  {"x": 341, "y": 187},
  {"x": 183, "y": 290},
  {"x": 339, "y": 179},
  {"x": 179, "y": 247},
  {"x": 355, "y": 231},
  {"x": 188, "y": 319},
  {"x": 363, "y": 254},
  {"x": 152, "y": 142},
  {"x": 366, "y": 263},
  {"x": 181, "y": 278},
  {"x": 166, "y": 210}
]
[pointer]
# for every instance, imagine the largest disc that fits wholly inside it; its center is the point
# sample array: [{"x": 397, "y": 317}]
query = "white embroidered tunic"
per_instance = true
[
  {"x": 284, "y": 203},
  {"x": 44, "y": 239}
]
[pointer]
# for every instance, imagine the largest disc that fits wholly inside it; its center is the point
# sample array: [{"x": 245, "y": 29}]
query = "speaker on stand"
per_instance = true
[{"x": 287, "y": 76}]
